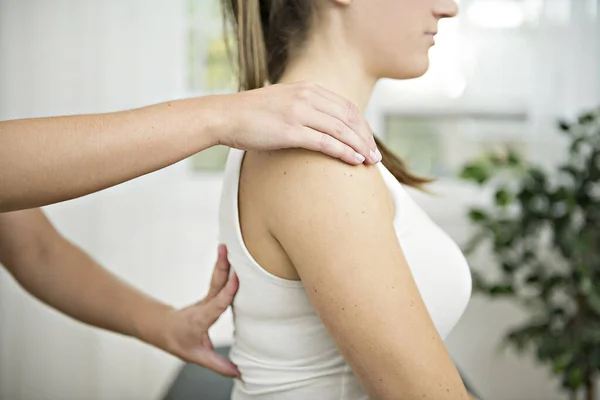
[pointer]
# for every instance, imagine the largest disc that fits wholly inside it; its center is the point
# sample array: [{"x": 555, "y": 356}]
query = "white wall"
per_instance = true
[
  {"x": 65, "y": 57},
  {"x": 159, "y": 232}
]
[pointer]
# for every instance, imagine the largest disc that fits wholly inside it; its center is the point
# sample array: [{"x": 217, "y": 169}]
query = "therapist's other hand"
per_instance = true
[
  {"x": 187, "y": 328},
  {"x": 302, "y": 115}
]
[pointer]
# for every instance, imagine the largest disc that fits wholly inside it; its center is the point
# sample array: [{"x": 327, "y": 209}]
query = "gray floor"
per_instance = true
[{"x": 197, "y": 383}]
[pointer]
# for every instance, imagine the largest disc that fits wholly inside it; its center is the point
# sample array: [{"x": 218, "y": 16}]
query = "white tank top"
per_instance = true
[{"x": 281, "y": 346}]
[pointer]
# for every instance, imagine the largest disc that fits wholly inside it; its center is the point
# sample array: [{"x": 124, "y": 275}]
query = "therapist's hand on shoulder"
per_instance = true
[
  {"x": 300, "y": 114},
  {"x": 187, "y": 328}
]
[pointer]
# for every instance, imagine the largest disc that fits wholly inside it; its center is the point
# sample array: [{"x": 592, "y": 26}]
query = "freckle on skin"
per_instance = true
[{"x": 284, "y": 172}]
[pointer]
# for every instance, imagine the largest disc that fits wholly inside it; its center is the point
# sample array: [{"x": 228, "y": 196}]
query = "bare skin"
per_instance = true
[
  {"x": 62, "y": 276},
  {"x": 48, "y": 160}
]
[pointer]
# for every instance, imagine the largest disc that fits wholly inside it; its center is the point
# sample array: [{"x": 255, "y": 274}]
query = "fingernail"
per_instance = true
[
  {"x": 378, "y": 155},
  {"x": 373, "y": 155},
  {"x": 360, "y": 158}
]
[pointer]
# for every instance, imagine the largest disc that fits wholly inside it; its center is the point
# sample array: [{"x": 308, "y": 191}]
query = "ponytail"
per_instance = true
[
  {"x": 252, "y": 69},
  {"x": 398, "y": 168}
]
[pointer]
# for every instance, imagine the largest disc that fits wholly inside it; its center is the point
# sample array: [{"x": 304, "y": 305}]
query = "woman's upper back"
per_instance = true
[{"x": 282, "y": 346}]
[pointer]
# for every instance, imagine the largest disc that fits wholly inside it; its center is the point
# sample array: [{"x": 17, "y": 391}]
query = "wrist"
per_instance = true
[
  {"x": 152, "y": 325},
  {"x": 214, "y": 119}
]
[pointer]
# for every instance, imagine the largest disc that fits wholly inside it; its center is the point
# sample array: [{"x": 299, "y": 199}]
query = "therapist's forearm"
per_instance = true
[
  {"x": 48, "y": 160},
  {"x": 59, "y": 274}
]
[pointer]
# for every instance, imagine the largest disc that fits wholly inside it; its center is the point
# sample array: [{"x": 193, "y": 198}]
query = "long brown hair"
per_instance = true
[{"x": 267, "y": 31}]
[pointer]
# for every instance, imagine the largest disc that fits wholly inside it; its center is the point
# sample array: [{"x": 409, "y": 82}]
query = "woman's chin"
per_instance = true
[{"x": 418, "y": 67}]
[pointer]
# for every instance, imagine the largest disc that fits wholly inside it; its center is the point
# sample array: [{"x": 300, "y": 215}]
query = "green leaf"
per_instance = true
[
  {"x": 570, "y": 170},
  {"x": 513, "y": 159},
  {"x": 509, "y": 267},
  {"x": 503, "y": 197},
  {"x": 525, "y": 196},
  {"x": 557, "y": 312},
  {"x": 528, "y": 334},
  {"x": 528, "y": 255},
  {"x": 575, "y": 145},
  {"x": 478, "y": 215},
  {"x": 479, "y": 284},
  {"x": 537, "y": 176},
  {"x": 561, "y": 362},
  {"x": 594, "y": 302},
  {"x": 475, "y": 172},
  {"x": 586, "y": 118},
  {"x": 595, "y": 357},
  {"x": 575, "y": 377},
  {"x": 532, "y": 279},
  {"x": 474, "y": 242},
  {"x": 563, "y": 126},
  {"x": 503, "y": 289}
]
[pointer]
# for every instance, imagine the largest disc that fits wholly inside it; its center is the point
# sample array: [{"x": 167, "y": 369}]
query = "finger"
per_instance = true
[
  {"x": 219, "y": 364},
  {"x": 335, "y": 128},
  {"x": 347, "y": 112},
  {"x": 222, "y": 300},
  {"x": 220, "y": 273},
  {"x": 318, "y": 141}
]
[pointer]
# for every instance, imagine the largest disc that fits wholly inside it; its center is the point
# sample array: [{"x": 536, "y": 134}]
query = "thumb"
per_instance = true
[{"x": 219, "y": 364}]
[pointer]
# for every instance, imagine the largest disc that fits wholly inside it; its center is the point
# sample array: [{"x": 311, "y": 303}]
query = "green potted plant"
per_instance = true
[{"x": 543, "y": 229}]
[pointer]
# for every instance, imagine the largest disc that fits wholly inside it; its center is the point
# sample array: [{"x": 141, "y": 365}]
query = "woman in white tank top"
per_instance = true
[{"x": 347, "y": 288}]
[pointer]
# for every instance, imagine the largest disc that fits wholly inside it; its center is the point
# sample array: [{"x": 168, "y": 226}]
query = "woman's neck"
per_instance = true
[{"x": 346, "y": 78}]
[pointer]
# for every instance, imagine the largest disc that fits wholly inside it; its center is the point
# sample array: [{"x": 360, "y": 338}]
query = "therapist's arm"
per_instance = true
[
  {"x": 62, "y": 276},
  {"x": 48, "y": 160}
]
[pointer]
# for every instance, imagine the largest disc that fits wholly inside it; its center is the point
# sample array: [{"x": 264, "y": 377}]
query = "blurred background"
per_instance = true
[{"x": 502, "y": 73}]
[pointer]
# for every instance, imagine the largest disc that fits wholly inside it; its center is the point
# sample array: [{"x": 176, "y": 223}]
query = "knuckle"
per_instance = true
[
  {"x": 307, "y": 85},
  {"x": 351, "y": 112},
  {"x": 304, "y": 94},
  {"x": 306, "y": 90},
  {"x": 324, "y": 142},
  {"x": 340, "y": 129}
]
